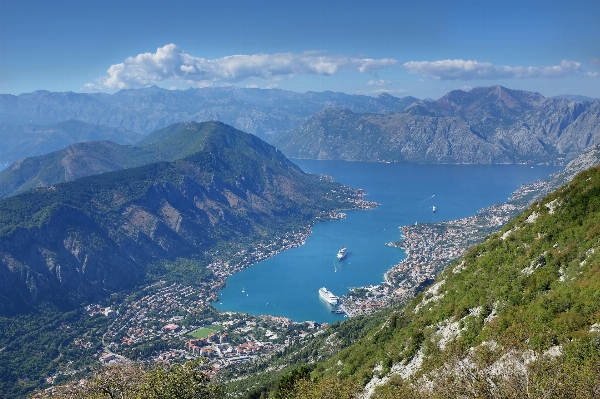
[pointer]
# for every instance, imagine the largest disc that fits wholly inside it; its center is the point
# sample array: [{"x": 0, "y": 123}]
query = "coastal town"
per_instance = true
[{"x": 170, "y": 322}]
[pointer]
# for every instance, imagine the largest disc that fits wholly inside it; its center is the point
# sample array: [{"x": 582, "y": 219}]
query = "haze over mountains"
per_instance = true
[
  {"x": 19, "y": 141},
  {"x": 484, "y": 125},
  {"x": 94, "y": 157},
  {"x": 256, "y": 111}
]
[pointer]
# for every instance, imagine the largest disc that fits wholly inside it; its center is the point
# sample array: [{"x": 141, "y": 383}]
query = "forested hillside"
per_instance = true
[{"x": 96, "y": 235}]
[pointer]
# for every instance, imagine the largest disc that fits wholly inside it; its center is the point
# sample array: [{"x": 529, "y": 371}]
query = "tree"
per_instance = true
[
  {"x": 185, "y": 381},
  {"x": 182, "y": 381}
]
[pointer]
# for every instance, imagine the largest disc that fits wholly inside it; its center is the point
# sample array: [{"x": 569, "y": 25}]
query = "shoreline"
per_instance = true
[
  {"x": 431, "y": 247},
  {"x": 263, "y": 251}
]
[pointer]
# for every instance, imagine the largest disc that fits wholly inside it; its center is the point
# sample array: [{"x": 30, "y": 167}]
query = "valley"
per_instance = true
[{"x": 300, "y": 199}]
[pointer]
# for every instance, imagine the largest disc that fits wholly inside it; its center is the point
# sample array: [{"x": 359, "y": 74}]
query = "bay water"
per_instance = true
[{"x": 288, "y": 283}]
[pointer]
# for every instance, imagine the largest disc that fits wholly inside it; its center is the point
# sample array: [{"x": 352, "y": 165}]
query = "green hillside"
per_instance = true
[
  {"x": 78, "y": 240},
  {"x": 89, "y": 158},
  {"x": 519, "y": 316}
]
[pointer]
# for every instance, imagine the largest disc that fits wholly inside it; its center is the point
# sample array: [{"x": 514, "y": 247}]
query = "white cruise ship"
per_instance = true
[
  {"x": 342, "y": 253},
  {"x": 328, "y": 296}
]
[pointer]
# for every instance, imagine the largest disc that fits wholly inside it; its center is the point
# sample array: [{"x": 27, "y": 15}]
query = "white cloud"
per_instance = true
[
  {"x": 170, "y": 62},
  {"x": 90, "y": 87},
  {"x": 595, "y": 61},
  {"x": 388, "y": 91},
  {"x": 593, "y": 74},
  {"x": 468, "y": 70},
  {"x": 379, "y": 82}
]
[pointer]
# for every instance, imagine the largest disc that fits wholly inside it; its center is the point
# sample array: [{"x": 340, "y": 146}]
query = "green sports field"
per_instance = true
[{"x": 204, "y": 332}]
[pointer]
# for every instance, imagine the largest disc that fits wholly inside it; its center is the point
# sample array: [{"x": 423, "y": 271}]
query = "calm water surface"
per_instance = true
[{"x": 287, "y": 284}]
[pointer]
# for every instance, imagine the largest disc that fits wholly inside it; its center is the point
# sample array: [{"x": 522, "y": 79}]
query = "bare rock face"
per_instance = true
[{"x": 484, "y": 125}]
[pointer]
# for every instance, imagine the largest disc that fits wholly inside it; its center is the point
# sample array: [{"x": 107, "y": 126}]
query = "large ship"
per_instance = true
[
  {"x": 328, "y": 296},
  {"x": 433, "y": 208},
  {"x": 342, "y": 253}
]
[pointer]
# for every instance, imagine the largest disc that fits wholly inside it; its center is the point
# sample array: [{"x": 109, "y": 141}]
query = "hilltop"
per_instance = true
[{"x": 94, "y": 157}]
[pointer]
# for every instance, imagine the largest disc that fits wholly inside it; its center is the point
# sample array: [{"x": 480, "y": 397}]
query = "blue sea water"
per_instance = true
[{"x": 288, "y": 283}]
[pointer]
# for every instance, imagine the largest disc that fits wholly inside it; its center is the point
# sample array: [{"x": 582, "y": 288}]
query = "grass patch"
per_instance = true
[{"x": 204, "y": 332}]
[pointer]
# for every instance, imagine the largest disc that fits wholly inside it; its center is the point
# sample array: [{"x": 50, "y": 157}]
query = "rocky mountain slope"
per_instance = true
[
  {"x": 19, "y": 141},
  {"x": 96, "y": 235},
  {"x": 484, "y": 125},
  {"x": 261, "y": 112},
  {"x": 517, "y": 317}
]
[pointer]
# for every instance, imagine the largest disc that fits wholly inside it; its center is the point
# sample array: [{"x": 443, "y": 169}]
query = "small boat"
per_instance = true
[
  {"x": 342, "y": 253},
  {"x": 433, "y": 208},
  {"x": 243, "y": 289}
]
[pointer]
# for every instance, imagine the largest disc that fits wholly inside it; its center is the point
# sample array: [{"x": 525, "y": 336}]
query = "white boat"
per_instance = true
[
  {"x": 433, "y": 208},
  {"x": 342, "y": 253},
  {"x": 328, "y": 296}
]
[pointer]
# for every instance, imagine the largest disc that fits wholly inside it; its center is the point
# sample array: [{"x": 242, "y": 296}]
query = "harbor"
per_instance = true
[{"x": 287, "y": 284}]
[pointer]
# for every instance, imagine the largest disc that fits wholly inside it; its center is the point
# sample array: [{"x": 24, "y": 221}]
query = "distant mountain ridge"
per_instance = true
[
  {"x": 257, "y": 111},
  {"x": 576, "y": 97},
  {"x": 19, "y": 141},
  {"x": 75, "y": 241},
  {"x": 484, "y": 125}
]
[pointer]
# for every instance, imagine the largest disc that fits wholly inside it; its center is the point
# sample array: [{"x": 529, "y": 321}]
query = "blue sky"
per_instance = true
[{"x": 421, "y": 48}]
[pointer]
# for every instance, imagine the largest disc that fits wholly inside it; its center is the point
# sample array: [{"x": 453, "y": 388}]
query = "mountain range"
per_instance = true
[
  {"x": 517, "y": 316},
  {"x": 483, "y": 125},
  {"x": 194, "y": 189},
  {"x": 261, "y": 112}
]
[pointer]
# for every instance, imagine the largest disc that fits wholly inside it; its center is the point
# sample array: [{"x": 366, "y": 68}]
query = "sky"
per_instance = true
[{"x": 419, "y": 48}]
